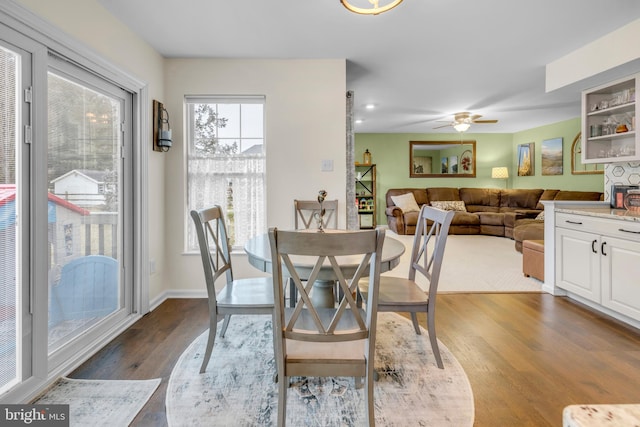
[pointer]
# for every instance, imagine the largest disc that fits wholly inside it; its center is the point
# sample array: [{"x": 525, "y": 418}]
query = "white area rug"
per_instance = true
[
  {"x": 474, "y": 263},
  {"x": 238, "y": 388},
  {"x": 100, "y": 402}
]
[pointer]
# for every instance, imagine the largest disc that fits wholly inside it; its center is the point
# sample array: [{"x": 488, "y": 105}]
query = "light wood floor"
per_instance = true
[{"x": 527, "y": 356}]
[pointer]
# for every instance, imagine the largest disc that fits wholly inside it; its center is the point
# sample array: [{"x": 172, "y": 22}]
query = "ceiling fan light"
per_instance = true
[
  {"x": 461, "y": 127},
  {"x": 375, "y": 10}
]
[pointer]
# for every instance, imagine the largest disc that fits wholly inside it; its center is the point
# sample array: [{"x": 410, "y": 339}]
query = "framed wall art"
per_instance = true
[
  {"x": 453, "y": 164},
  {"x": 552, "y": 156},
  {"x": 526, "y": 156}
]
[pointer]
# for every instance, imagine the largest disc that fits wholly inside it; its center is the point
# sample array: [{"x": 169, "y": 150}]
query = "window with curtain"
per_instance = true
[{"x": 226, "y": 163}]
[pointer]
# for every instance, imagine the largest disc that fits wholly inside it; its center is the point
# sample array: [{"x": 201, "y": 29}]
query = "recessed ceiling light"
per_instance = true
[
  {"x": 359, "y": 120},
  {"x": 369, "y": 106}
]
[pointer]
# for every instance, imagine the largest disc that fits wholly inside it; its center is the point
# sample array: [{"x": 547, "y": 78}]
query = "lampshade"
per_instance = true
[
  {"x": 501, "y": 172},
  {"x": 375, "y": 9},
  {"x": 461, "y": 127}
]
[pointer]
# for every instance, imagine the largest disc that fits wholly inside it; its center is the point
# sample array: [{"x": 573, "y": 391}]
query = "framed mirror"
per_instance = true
[
  {"x": 577, "y": 167},
  {"x": 442, "y": 159}
]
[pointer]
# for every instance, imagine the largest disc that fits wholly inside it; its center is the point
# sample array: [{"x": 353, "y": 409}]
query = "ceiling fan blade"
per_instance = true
[
  {"x": 485, "y": 121},
  {"x": 443, "y": 126}
]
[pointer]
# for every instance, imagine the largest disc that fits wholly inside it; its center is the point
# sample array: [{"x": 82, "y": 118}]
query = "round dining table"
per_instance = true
[{"x": 259, "y": 255}]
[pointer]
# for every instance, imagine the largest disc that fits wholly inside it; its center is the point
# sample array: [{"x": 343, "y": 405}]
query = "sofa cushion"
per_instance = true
[
  {"x": 443, "y": 193},
  {"x": 520, "y": 198},
  {"x": 487, "y": 197},
  {"x": 546, "y": 195},
  {"x": 449, "y": 205},
  {"x": 527, "y": 229},
  {"x": 491, "y": 218},
  {"x": 420, "y": 195},
  {"x": 406, "y": 202}
]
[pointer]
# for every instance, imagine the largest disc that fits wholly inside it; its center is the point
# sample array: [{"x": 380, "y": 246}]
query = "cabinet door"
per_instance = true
[
  {"x": 578, "y": 263},
  {"x": 621, "y": 276}
]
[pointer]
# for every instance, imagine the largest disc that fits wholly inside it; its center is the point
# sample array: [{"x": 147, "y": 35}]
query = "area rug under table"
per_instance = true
[
  {"x": 100, "y": 402},
  {"x": 238, "y": 387}
]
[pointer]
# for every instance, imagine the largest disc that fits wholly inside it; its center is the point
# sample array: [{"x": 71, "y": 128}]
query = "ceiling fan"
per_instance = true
[{"x": 462, "y": 121}]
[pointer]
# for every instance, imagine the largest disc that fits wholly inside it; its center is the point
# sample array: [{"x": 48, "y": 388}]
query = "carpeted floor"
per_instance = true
[
  {"x": 100, "y": 402},
  {"x": 238, "y": 388},
  {"x": 474, "y": 263}
]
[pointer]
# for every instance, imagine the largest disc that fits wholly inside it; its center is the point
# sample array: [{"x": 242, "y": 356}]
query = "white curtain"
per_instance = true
[{"x": 231, "y": 182}]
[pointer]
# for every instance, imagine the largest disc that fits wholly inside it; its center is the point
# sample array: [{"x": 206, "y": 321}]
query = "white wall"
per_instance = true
[{"x": 305, "y": 123}]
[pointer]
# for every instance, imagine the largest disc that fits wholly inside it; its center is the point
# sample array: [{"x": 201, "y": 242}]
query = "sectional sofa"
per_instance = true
[{"x": 489, "y": 211}]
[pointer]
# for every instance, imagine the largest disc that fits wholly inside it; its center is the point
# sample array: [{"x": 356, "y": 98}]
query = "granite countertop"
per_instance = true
[
  {"x": 601, "y": 415},
  {"x": 602, "y": 212}
]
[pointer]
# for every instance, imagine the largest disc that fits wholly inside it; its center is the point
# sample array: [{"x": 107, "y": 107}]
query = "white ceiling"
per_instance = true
[{"x": 418, "y": 63}]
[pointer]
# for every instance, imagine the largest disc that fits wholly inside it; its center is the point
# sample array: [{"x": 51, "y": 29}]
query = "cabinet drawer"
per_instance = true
[{"x": 629, "y": 230}]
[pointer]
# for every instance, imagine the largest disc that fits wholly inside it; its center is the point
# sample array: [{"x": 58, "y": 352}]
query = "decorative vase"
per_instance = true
[{"x": 367, "y": 157}]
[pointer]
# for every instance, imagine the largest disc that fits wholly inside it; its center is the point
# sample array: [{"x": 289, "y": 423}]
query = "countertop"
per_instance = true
[
  {"x": 602, "y": 212},
  {"x": 601, "y": 415}
]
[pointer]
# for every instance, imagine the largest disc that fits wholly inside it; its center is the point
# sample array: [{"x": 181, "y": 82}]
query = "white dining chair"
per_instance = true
[
  {"x": 322, "y": 341},
  {"x": 238, "y": 296},
  {"x": 399, "y": 294}
]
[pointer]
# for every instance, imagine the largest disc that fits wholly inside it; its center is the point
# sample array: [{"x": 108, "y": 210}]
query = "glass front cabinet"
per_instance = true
[
  {"x": 609, "y": 115},
  {"x": 366, "y": 194}
]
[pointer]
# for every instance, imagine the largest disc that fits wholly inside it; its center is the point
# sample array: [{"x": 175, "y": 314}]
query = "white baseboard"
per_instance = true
[{"x": 176, "y": 293}]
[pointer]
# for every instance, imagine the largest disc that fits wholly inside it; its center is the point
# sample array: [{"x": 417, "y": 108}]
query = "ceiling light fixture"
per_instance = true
[
  {"x": 461, "y": 126},
  {"x": 375, "y": 10}
]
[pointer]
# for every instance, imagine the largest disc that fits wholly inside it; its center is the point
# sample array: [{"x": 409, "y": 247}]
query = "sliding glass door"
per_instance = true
[
  {"x": 66, "y": 212},
  {"x": 85, "y": 195}
]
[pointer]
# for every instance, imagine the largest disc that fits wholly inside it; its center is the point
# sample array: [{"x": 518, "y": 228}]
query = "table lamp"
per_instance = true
[{"x": 501, "y": 173}]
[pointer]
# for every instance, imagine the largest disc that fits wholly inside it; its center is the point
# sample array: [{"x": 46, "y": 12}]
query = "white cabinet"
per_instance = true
[
  {"x": 578, "y": 264},
  {"x": 599, "y": 259},
  {"x": 621, "y": 276},
  {"x": 609, "y": 122}
]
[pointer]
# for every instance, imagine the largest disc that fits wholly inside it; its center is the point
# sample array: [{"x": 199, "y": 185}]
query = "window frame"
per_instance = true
[{"x": 190, "y": 245}]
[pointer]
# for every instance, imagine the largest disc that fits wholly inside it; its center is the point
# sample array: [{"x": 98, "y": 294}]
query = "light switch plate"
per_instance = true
[{"x": 326, "y": 166}]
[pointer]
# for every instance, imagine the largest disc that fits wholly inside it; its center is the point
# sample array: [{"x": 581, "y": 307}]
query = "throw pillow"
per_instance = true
[
  {"x": 406, "y": 202},
  {"x": 450, "y": 205},
  {"x": 540, "y": 216}
]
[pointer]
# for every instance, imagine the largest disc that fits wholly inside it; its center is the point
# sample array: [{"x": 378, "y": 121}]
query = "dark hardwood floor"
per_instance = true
[{"x": 527, "y": 356}]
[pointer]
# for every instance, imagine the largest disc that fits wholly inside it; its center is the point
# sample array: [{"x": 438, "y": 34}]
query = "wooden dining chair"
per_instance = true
[
  {"x": 305, "y": 211},
  {"x": 238, "y": 296},
  {"x": 321, "y": 341},
  {"x": 398, "y": 294}
]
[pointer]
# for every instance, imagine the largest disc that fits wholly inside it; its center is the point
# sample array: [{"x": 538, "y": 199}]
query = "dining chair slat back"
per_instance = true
[
  {"x": 237, "y": 296},
  {"x": 305, "y": 211},
  {"x": 400, "y": 294},
  {"x": 325, "y": 341}
]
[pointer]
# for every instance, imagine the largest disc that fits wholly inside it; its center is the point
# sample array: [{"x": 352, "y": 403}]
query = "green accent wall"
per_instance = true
[{"x": 390, "y": 153}]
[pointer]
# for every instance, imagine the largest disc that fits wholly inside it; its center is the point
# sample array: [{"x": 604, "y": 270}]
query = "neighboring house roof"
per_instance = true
[
  {"x": 92, "y": 175},
  {"x": 254, "y": 149},
  {"x": 8, "y": 194}
]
